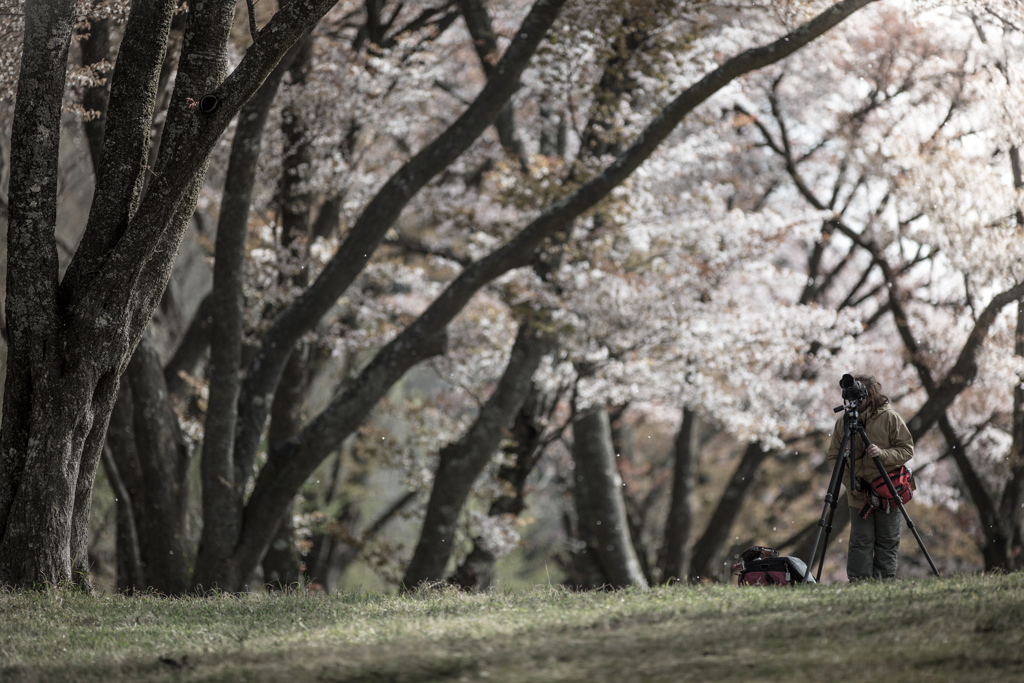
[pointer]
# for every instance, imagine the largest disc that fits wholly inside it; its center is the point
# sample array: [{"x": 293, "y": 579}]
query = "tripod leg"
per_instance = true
[
  {"x": 828, "y": 524},
  {"x": 830, "y": 496},
  {"x": 899, "y": 502}
]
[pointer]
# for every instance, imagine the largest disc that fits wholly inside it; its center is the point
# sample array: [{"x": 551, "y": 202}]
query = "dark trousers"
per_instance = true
[{"x": 874, "y": 545}]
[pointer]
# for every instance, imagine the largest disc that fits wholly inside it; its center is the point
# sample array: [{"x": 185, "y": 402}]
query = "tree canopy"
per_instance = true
[{"x": 487, "y": 246}]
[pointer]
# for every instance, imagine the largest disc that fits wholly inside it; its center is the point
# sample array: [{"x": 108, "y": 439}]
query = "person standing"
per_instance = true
[{"x": 874, "y": 540}]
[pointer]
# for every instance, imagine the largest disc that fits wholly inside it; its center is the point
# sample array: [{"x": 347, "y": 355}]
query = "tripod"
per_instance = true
[{"x": 853, "y": 426}]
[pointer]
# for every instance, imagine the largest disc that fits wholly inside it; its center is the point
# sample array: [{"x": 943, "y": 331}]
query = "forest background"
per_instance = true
[{"x": 631, "y": 393}]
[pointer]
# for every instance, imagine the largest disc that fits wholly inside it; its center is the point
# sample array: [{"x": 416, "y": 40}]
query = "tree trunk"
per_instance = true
[
  {"x": 47, "y": 415},
  {"x": 69, "y": 344},
  {"x": 637, "y": 509},
  {"x": 281, "y": 565},
  {"x": 485, "y": 40},
  {"x": 583, "y": 569},
  {"x": 676, "y": 560},
  {"x": 708, "y": 548},
  {"x": 608, "y": 533},
  {"x": 125, "y": 458},
  {"x": 222, "y": 476},
  {"x": 462, "y": 462},
  {"x": 129, "y": 557},
  {"x": 476, "y": 573},
  {"x": 526, "y": 445},
  {"x": 996, "y": 547},
  {"x": 164, "y": 461},
  {"x": 149, "y": 456}
]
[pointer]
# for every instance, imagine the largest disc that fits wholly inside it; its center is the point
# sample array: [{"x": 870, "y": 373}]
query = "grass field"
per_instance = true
[{"x": 961, "y": 628}]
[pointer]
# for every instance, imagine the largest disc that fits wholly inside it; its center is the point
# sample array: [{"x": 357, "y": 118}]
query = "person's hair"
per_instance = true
[{"x": 876, "y": 399}]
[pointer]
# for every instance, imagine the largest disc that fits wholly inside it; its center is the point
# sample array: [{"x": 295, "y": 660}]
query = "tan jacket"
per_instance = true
[{"x": 889, "y": 432}]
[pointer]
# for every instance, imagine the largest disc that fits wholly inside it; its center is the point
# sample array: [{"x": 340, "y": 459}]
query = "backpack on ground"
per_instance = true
[
  {"x": 878, "y": 494},
  {"x": 761, "y": 566}
]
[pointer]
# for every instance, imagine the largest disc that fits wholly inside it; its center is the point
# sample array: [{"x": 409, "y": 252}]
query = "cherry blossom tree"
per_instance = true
[
  {"x": 71, "y": 338},
  {"x": 919, "y": 226}
]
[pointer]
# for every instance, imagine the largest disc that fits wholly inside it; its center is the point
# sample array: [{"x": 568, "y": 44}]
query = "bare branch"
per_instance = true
[{"x": 253, "y": 31}]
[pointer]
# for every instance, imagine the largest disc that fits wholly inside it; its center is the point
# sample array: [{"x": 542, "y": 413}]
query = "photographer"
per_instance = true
[{"x": 874, "y": 541}]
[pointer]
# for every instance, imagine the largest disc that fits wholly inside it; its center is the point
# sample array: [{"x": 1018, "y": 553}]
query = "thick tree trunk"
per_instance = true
[
  {"x": 69, "y": 345},
  {"x": 125, "y": 458},
  {"x": 708, "y": 548},
  {"x": 221, "y": 497},
  {"x": 675, "y": 562},
  {"x": 462, "y": 462},
  {"x": 583, "y": 569},
  {"x": 608, "y": 536},
  {"x": 46, "y": 421},
  {"x": 98, "y": 413},
  {"x": 637, "y": 508},
  {"x": 281, "y": 565}
]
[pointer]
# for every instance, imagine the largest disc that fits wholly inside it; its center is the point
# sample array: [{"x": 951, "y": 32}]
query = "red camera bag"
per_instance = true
[
  {"x": 880, "y": 497},
  {"x": 760, "y": 566}
]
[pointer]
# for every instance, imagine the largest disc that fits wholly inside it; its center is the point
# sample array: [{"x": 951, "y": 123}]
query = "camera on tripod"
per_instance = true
[{"x": 853, "y": 391}]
